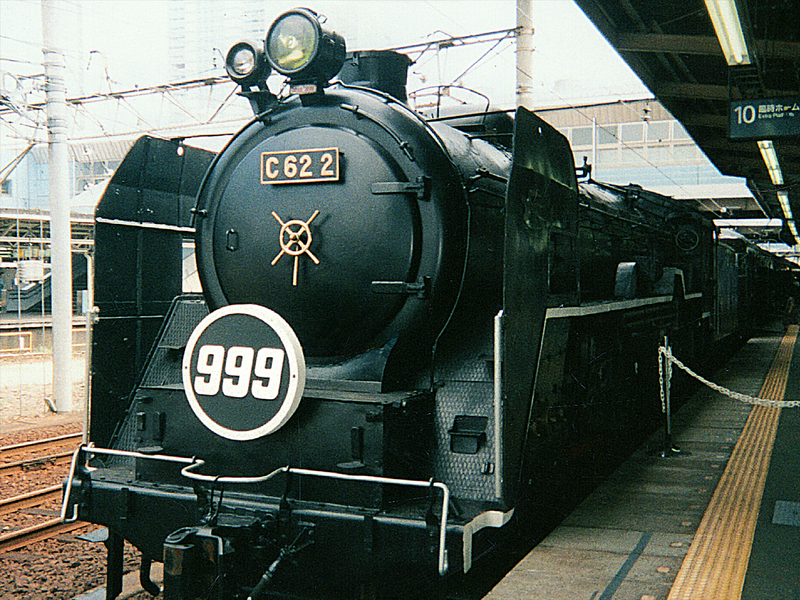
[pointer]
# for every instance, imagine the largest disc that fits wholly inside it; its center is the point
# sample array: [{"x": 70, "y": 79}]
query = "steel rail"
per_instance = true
[
  {"x": 40, "y": 444},
  {"x": 34, "y": 498},
  {"x": 29, "y": 464},
  {"x": 36, "y": 533}
]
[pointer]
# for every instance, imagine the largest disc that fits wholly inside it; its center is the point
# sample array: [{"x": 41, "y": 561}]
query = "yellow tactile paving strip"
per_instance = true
[{"x": 716, "y": 564}]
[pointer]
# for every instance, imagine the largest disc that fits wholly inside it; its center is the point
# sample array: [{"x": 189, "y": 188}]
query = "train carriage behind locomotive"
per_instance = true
[{"x": 359, "y": 386}]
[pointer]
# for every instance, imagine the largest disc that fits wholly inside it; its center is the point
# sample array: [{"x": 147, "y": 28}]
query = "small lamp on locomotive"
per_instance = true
[{"x": 246, "y": 65}]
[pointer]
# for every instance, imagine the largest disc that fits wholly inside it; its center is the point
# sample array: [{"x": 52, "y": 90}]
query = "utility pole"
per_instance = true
[
  {"x": 60, "y": 196},
  {"x": 525, "y": 53}
]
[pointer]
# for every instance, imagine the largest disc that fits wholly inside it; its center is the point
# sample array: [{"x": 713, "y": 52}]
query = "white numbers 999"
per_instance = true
[{"x": 259, "y": 373}]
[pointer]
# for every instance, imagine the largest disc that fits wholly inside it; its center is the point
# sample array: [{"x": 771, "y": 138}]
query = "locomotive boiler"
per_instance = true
[{"x": 405, "y": 323}]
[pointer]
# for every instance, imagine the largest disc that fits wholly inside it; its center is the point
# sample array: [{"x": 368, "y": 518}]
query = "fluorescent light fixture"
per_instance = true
[
  {"x": 783, "y": 198},
  {"x": 793, "y": 229},
  {"x": 725, "y": 17},
  {"x": 771, "y": 160},
  {"x": 748, "y": 223}
]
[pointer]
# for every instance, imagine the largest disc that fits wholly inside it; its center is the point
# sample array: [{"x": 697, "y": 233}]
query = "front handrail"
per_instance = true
[
  {"x": 68, "y": 490},
  {"x": 192, "y": 464},
  {"x": 91, "y": 449}
]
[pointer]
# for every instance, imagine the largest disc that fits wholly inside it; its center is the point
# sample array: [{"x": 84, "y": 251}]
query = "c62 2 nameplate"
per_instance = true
[
  {"x": 300, "y": 166},
  {"x": 243, "y": 372}
]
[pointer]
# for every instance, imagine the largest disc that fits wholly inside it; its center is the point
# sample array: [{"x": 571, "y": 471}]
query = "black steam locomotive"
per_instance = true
[{"x": 405, "y": 323}]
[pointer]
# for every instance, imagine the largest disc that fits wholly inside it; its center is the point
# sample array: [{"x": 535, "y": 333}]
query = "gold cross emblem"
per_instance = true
[{"x": 295, "y": 239}]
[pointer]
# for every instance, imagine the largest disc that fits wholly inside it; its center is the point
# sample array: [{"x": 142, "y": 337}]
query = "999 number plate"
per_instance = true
[{"x": 300, "y": 166}]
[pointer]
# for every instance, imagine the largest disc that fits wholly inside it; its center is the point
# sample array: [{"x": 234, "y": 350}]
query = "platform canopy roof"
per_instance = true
[{"x": 734, "y": 85}]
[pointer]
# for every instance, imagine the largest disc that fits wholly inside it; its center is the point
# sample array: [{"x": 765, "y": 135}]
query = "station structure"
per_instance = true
[{"x": 721, "y": 517}]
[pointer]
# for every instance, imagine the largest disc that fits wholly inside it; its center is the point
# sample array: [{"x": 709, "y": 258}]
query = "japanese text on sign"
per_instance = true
[{"x": 764, "y": 119}]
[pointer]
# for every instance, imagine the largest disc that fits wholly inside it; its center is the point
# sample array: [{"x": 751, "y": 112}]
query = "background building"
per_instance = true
[{"x": 638, "y": 141}]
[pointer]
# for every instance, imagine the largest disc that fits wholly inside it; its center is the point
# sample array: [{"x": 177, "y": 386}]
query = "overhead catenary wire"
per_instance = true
[
  {"x": 417, "y": 50},
  {"x": 581, "y": 110},
  {"x": 7, "y": 170}
]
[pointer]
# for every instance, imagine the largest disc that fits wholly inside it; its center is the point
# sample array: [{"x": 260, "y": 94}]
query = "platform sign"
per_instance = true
[
  {"x": 243, "y": 372},
  {"x": 764, "y": 119}
]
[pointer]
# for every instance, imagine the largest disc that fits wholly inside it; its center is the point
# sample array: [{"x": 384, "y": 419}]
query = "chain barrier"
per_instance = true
[{"x": 669, "y": 359}]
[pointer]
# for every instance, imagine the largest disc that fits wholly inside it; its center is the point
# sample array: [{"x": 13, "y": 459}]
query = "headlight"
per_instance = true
[
  {"x": 245, "y": 64},
  {"x": 292, "y": 42},
  {"x": 297, "y": 46}
]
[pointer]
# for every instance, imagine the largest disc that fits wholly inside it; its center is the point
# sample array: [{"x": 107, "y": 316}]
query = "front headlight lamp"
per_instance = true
[
  {"x": 297, "y": 46},
  {"x": 245, "y": 64}
]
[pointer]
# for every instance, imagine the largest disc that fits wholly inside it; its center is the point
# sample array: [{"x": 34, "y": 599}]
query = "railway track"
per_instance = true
[
  {"x": 35, "y": 533},
  {"x": 18, "y": 538},
  {"x": 40, "y": 462},
  {"x": 37, "y": 455},
  {"x": 40, "y": 557},
  {"x": 36, "y": 446},
  {"x": 31, "y": 499}
]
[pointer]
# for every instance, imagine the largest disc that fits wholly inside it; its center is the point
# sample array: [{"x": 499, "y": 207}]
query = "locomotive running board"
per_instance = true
[{"x": 585, "y": 310}]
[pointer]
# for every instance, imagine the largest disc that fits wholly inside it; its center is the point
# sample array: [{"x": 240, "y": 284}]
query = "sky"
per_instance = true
[{"x": 124, "y": 43}]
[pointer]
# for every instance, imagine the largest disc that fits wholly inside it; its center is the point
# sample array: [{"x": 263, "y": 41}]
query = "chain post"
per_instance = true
[{"x": 665, "y": 371}]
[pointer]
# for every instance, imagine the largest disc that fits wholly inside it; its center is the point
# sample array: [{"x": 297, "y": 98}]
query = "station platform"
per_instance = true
[{"x": 719, "y": 519}]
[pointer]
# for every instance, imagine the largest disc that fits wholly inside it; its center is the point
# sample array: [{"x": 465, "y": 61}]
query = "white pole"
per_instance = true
[
  {"x": 525, "y": 53},
  {"x": 594, "y": 145},
  {"x": 60, "y": 257}
]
